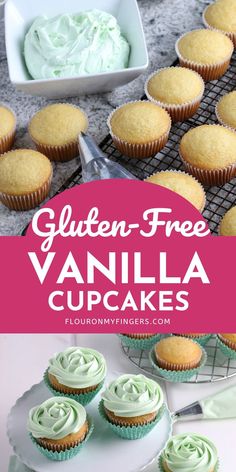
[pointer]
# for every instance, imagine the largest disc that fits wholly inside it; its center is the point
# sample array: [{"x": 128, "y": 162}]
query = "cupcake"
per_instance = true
[
  {"x": 25, "y": 179},
  {"x": 7, "y": 129},
  {"x": 139, "y": 129},
  {"x": 55, "y": 129},
  {"x": 178, "y": 353},
  {"x": 139, "y": 341},
  {"x": 221, "y": 15},
  {"x": 132, "y": 405},
  {"x": 206, "y": 51},
  {"x": 183, "y": 184},
  {"x": 201, "y": 338},
  {"x": 177, "y": 89},
  {"x": 227, "y": 344},
  {"x": 209, "y": 153},
  {"x": 226, "y": 110},
  {"x": 58, "y": 427},
  {"x": 77, "y": 372},
  {"x": 228, "y": 223},
  {"x": 189, "y": 452}
]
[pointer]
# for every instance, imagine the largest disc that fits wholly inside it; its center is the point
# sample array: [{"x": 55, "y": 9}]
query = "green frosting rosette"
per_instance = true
[
  {"x": 177, "y": 375},
  {"x": 188, "y": 453},
  {"x": 131, "y": 396},
  {"x": 77, "y": 368},
  {"x": 55, "y": 419},
  {"x": 139, "y": 343},
  {"x": 226, "y": 350}
]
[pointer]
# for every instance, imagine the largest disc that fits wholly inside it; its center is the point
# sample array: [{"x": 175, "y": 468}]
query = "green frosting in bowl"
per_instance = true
[
  {"x": 56, "y": 418},
  {"x": 133, "y": 395},
  {"x": 189, "y": 453},
  {"x": 72, "y": 45},
  {"x": 78, "y": 367}
]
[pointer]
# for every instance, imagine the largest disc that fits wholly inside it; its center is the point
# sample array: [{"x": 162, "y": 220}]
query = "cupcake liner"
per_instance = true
[
  {"x": 27, "y": 201},
  {"x": 231, "y": 35},
  {"x": 221, "y": 121},
  {"x": 210, "y": 177},
  {"x": 207, "y": 71},
  {"x": 202, "y": 340},
  {"x": 68, "y": 453},
  {"x": 131, "y": 432},
  {"x": 82, "y": 398},
  {"x": 182, "y": 172},
  {"x": 141, "y": 150},
  {"x": 177, "y": 375},
  {"x": 7, "y": 141},
  {"x": 226, "y": 349},
  {"x": 179, "y": 112},
  {"x": 139, "y": 343},
  {"x": 161, "y": 468}
]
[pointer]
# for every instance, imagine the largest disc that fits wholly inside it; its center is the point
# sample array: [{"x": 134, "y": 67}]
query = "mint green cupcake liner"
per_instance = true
[
  {"x": 161, "y": 468},
  {"x": 140, "y": 343},
  {"x": 202, "y": 340},
  {"x": 177, "y": 375},
  {"x": 226, "y": 350},
  {"x": 82, "y": 398},
  {"x": 68, "y": 453},
  {"x": 131, "y": 432}
]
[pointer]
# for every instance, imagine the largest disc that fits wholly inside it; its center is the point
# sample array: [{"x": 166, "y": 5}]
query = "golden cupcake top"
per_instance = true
[
  {"x": 205, "y": 46},
  {"x": 139, "y": 122},
  {"x": 23, "y": 171},
  {"x": 178, "y": 350},
  {"x": 209, "y": 147},
  {"x": 228, "y": 223},
  {"x": 222, "y": 15},
  {"x": 175, "y": 85},
  {"x": 7, "y": 121},
  {"x": 58, "y": 124},
  {"x": 229, "y": 337},
  {"x": 226, "y": 109},
  {"x": 183, "y": 184}
]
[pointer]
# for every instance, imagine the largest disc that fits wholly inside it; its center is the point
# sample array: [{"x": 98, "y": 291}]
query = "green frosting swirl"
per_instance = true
[
  {"x": 133, "y": 395},
  {"x": 189, "y": 453},
  {"x": 78, "y": 367},
  {"x": 56, "y": 418},
  {"x": 70, "y": 45}
]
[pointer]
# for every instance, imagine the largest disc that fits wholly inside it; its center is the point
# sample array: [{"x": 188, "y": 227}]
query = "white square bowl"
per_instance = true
[{"x": 19, "y": 14}]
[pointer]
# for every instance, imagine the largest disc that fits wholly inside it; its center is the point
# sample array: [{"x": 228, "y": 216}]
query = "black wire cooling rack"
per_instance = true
[{"x": 219, "y": 199}]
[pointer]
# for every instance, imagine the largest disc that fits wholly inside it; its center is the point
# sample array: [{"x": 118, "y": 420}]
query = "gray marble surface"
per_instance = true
[{"x": 164, "y": 21}]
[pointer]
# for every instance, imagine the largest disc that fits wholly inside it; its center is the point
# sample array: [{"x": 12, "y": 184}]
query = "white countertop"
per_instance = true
[{"x": 23, "y": 359}]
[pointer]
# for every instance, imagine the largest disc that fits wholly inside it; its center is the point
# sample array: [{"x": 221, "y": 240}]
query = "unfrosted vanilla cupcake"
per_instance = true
[
  {"x": 25, "y": 179},
  {"x": 178, "y": 353},
  {"x": 209, "y": 153},
  {"x": 183, "y": 184},
  {"x": 206, "y": 51},
  {"x": 177, "y": 89},
  {"x": 139, "y": 129},
  {"x": 55, "y": 129},
  {"x": 226, "y": 110},
  {"x": 7, "y": 128},
  {"x": 229, "y": 339},
  {"x": 221, "y": 15},
  {"x": 228, "y": 223}
]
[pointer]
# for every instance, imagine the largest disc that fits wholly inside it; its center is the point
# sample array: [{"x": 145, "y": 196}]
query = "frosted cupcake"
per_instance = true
[
  {"x": 55, "y": 129},
  {"x": 228, "y": 223},
  {"x": 177, "y": 89},
  {"x": 206, "y": 51},
  {"x": 226, "y": 110},
  {"x": 139, "y": 129},
  {"x": 58, "y": 427},
  {"x": 77, "y": 372},
  {"x": 189, "y": 452},
  {"x": 221, "y": 15},
  {"x": 132, "y": 405},
  {"x": 7, "y": 128}
]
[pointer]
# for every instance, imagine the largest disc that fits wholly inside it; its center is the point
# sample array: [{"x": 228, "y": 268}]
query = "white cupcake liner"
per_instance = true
[
  {"x": 139, "y": 150},
  {"x": 181, "y": 172},
  {"x": 7, "y": 141},
  {"x": 26, "y": 201},
  {"x": 207, "y": 71},
  {"x": 60, "y": 153},
  {"x": 221, "y": 121},
  {"x": 231, "y": 35},
  {"x": 177, "y": 112}
]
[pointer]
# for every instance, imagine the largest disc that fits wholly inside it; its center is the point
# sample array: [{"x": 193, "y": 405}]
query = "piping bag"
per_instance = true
[{"x": 96, "y": 165}]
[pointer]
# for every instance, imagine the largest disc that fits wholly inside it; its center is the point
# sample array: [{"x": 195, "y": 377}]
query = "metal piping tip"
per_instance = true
[{"x": 88, "y": 149}]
